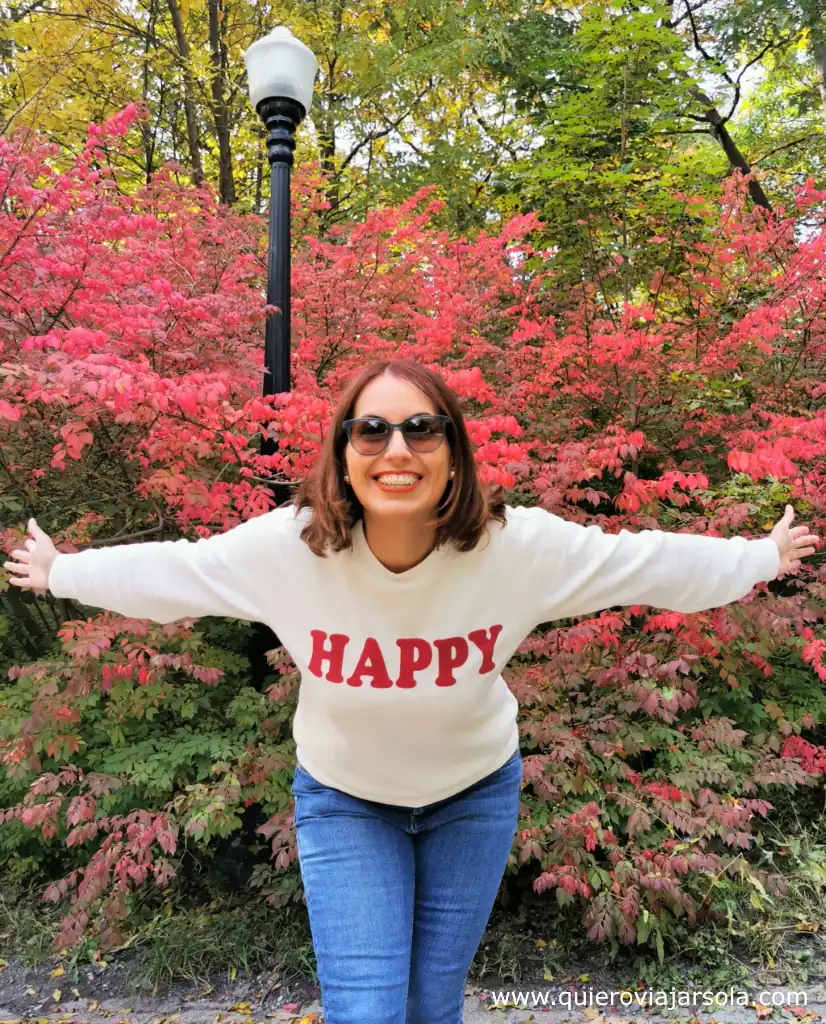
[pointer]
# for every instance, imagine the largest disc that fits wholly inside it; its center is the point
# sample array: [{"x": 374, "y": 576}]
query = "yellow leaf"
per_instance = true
[
  {"x": 57, "y": 972},
  {"x": 540, "y": 943},
  {"x": 31, "y": 991},
  {"x": 76, "y": 993},
  {"x": 56, "y": 995},
  {"x": 232, "y": 972},
  {"x": 93, "y": 1005},
  {"x": 584, "y": 977}
]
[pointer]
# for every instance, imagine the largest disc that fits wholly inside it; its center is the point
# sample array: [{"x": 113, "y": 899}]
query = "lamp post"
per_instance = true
[{"x": 281, "y": 71}]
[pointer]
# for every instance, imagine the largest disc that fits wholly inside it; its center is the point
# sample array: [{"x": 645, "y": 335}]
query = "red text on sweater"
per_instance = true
[{"x": 414, "y": 656}]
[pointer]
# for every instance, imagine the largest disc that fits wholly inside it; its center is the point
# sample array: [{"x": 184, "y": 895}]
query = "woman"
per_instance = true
[{"x": 401, "y": 590}]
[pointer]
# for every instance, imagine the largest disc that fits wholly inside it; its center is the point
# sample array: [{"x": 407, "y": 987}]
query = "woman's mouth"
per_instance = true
[{"x": 397, "y": 481}]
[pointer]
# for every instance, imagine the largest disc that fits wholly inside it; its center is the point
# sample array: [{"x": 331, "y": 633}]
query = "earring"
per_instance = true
[
  {"x": 346, "y": 479},
  {"x": 451, "y": 474}
]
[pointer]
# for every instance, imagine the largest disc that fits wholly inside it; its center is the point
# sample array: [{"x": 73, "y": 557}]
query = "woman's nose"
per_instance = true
[{"x": 397, "y": 445}]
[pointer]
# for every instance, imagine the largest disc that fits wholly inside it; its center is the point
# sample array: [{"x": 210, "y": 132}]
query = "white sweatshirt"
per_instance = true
[{"x": 402, "y": 699}]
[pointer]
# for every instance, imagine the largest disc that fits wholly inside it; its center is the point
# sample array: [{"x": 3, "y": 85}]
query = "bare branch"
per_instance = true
[
  {"x": 391, "y": 125},
  {"x": 682, "y": 17},
  {"x": 788, "y": 145},
  {"x": 699, "y": 46}
]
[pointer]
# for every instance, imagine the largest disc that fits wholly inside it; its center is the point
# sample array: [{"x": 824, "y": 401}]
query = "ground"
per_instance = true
[{"x": 106, "y": 995}]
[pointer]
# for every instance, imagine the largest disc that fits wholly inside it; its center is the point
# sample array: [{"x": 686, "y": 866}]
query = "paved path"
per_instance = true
[{"x": 479, "y": 1007}]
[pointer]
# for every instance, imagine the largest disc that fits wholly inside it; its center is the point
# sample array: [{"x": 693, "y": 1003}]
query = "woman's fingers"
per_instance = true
[{"x": 29, "y": 569}]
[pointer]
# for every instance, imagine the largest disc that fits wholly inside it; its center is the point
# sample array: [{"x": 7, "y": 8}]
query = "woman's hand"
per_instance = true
[
  {"x": 34, "y": 564},
  {"x": 793, "y": 544}
]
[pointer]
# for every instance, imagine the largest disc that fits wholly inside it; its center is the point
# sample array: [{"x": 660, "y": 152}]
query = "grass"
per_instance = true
[
  {"x": 194, "y": 937},
  {"x": 244, "y": 940},
  {"x": 199, "y": 932}
]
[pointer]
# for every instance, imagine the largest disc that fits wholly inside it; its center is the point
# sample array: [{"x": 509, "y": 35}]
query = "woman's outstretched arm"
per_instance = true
[
  {"x": 160, "y": 580},
  {"x": 580, "y": 570}
]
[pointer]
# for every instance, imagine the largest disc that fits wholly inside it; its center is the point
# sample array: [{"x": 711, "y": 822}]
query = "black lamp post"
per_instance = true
[{"x": 281, "y": 72}]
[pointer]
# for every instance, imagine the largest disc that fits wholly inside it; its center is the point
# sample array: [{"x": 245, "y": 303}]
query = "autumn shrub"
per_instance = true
[{"x": 656, "y": 744}]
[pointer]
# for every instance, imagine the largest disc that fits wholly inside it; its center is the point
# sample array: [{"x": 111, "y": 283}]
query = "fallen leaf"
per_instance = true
[
  {"x": 57, "y": 972},
  {"x": 56, "y": 995}
]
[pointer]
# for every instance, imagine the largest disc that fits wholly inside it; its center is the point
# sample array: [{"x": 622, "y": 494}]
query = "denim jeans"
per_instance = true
[{"x": 399, "y": 897}]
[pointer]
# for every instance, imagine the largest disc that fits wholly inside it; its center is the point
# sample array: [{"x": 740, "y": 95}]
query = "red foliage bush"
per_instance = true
[{"x": 131, "y": 334}]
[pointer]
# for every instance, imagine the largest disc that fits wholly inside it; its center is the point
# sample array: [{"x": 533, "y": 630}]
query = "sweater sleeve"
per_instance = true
[
  {"x": 584, "y": 570},
  {"x": 226, "y": 574}
]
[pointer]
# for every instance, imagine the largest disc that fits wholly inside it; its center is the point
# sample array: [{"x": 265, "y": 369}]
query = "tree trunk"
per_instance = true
[
  {"x": 189, "y": 101},
  {"x": 326, "y": 125},
  {"x": 148, "y": 133},
  {"x": 718, "y": 129},
  {"x": 259, "y": 185},
  {"x": 327, "y": 149},
  {"x": 817, "y": 34},
  {"x": 220, "y": 112}
]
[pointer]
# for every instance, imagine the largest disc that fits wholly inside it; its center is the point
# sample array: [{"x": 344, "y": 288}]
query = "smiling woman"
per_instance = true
[
  {"x": 398, "y": 460},
  {"x": 409, "y": 771}
]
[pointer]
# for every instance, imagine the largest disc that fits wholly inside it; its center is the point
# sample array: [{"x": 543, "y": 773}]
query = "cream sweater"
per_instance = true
[{"x": 402, "y": 699}]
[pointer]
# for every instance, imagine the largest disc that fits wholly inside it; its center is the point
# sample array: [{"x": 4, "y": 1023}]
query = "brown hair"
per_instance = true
[{"x": 463, "y": 510}]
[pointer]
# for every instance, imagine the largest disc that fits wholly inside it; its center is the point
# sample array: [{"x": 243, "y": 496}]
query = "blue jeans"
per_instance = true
[{"x": 399, "y": 897}]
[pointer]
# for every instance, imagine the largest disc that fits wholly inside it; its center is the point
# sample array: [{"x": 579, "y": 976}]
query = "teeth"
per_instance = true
[{"x": 397, "y": 479}]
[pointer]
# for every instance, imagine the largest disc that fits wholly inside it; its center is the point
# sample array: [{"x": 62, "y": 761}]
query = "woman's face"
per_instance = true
[{"x": 372, "y": 476}]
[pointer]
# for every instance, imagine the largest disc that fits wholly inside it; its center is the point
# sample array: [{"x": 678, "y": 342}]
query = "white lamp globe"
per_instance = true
[{"x": 281, "y": 65}]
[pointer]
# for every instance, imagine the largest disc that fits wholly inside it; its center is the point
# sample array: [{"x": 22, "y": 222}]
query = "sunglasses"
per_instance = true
[{"x": 370, "y": 435}]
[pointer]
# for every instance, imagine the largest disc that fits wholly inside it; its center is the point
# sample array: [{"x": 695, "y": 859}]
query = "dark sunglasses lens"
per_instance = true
[
  {"x": 423, "y": 433},
  {"x": 370, "y": 436}
]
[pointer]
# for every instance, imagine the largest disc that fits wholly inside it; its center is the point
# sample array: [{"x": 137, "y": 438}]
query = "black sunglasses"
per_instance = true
[{"x": 370, "y": 435}]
